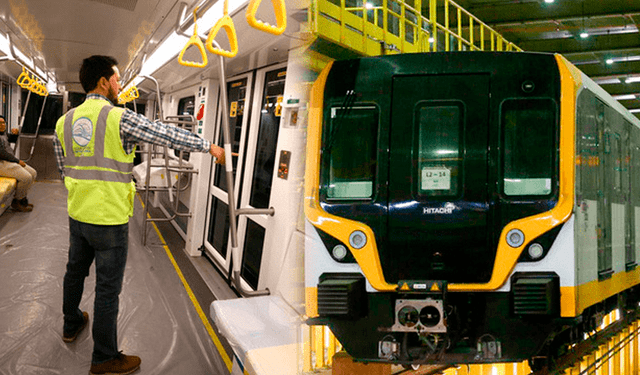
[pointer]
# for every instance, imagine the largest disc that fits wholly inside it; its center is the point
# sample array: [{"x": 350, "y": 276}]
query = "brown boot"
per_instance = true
[
  {"x": 18, "y": 206},
  {"x": 71, "y": 336},
  {"x": 25, "y": 202},
  {"x": 120, "y": 365}
]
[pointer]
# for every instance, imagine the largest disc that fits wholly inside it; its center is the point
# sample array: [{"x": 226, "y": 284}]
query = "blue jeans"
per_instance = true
[{"x": 109, "y": 246}]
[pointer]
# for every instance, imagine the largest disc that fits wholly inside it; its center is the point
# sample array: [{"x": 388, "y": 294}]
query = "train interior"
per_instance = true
[{"x": 188, "y": 264}]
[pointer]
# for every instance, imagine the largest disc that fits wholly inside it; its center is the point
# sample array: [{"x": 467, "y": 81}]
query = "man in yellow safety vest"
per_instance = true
[{"x": 95, "y": 148}]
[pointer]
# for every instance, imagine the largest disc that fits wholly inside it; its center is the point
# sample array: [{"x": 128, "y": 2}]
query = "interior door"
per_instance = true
[
  {"x": 217, "y": 233},
  {"x": 439, "y": 202},
  {"x": 255, "y": 139},
  {"x": 260, "y": 169}
]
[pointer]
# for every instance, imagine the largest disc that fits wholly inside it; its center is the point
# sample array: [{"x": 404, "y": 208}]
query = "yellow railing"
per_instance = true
[
  {"x": 622, "y": 354},
  {"x": 377, "y": 27},
  {"x": 319, "y": 347}
]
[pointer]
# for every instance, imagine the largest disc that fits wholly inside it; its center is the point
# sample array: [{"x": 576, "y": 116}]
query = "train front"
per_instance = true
[{"x": 434, "y": 204}]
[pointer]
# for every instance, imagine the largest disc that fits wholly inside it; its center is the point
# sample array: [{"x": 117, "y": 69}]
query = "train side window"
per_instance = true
[
  {"x": 439, "y": 143},
  {"x": 528, "y": 146},
  {"x": 351, "y": 145}
]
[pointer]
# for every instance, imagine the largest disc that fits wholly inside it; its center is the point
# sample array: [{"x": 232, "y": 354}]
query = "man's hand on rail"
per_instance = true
[{"x": 218, "y": 153}]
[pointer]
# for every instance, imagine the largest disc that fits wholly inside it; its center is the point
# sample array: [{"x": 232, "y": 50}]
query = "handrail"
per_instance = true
[
  {"x": 194, "y": 40},
  {"x": 416, "y": 27},
  {"x": 180, "y": 169},
  {"x": 227, "y": 23},
  {"x": 182, "y": 22},
  {"x": 280, "y": 11}
]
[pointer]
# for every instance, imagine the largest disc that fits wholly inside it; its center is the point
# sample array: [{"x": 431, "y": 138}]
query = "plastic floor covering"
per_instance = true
[{"x": 157, "y": 320}]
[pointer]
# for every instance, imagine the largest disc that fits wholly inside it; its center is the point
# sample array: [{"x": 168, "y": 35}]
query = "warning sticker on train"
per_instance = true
[{"x": 200, "y": 114}]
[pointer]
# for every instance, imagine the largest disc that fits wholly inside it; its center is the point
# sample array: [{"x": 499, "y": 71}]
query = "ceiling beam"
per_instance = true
[
  {"x": 610, "y": 69},
  {"x": 575, "y": 45},
  {"x": 515, "y": 11}
]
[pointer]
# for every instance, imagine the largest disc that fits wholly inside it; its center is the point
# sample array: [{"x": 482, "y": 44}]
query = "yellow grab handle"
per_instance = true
[
  {"x": 194, "y": 40},
  {"x": 41, "y": 89},
  {"x": 227, "y": 23},
  {"x": 32, "y": 85},
  {"x": 44, "y": 91},
  {"x": 134, "y": 92},
  {"x": 23, "y": 79},
  {"x": 280, "y": 13}
]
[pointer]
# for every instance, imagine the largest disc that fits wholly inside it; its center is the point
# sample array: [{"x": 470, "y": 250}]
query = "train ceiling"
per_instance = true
[
  {"x": 61, "y": 33},
  {"x": 610, "y": 53}
]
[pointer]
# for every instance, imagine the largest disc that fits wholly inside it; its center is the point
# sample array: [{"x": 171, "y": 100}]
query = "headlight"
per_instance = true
[
  {"x": 515, "y": 238},
  {"x": 339, "y": 252},
  {"x": 357, "y": 239},
  {"x": 535, "y": 251}
]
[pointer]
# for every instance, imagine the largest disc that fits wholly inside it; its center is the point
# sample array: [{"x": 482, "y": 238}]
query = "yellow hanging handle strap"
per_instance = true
[
  {"x": 24, "y": 80},
  {"x": 280, "y": 13},
  {"x": 227, "y": 23},
  {"x": 130, "y": 94},
  {"x": 194, "y": 40},
  {"x": 33, "y": 84}
]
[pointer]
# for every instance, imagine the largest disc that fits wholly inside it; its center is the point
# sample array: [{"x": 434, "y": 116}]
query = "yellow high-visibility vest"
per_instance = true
[{"x": 98, "y": 172}]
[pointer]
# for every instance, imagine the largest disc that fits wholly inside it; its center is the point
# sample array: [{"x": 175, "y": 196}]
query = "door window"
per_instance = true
[
  {"x": 438, "y": 142},
  {"x": 268, "y": 138}
]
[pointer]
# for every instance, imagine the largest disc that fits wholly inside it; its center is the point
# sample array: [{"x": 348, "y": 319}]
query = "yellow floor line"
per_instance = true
[{"x": 196, "y": 304}]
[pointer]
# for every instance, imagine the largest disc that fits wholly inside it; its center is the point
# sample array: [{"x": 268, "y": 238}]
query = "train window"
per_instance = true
[
  {"x": 438, "y": 145},
  {"x": 528, "y": 146},
  {"x": 351, "y": 145}
]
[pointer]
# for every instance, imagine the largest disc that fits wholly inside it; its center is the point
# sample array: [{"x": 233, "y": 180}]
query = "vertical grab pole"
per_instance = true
[
  {"x": 149, "y": 158},
  {"x": 24, "y": 114},
  {"x": 228, "y": 163},
  {"x": 35, "y": 137}
]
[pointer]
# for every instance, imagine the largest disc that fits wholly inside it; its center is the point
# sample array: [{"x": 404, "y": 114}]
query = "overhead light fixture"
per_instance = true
[
  {"x": 173, "y": 44},
  {"x": 632, "y": 80},
  {"x": 624, "y": 97},
  {"x": 607, "y": 81},
  {"x": 549, "y": 1},
  {"x": 584, "y": 34},
  {"x": 635, "y": 110},
  {"x": 368, "y": 5},
  {"x": 5, "y": 45},
  {"x": 609, "y": 61}
]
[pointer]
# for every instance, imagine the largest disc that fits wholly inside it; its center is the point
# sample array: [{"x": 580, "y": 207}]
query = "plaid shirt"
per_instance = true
[{"x": 136, "y": 128}]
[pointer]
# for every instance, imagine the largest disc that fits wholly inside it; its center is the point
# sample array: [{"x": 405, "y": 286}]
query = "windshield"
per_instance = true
[{"x": 350, "y": 154}]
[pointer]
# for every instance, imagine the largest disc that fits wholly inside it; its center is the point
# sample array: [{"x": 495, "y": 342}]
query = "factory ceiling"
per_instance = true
[{"x": 601, "y": 37}]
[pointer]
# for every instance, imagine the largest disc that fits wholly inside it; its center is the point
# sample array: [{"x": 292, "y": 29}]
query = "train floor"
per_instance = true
[{"x": 158, "y": 320}]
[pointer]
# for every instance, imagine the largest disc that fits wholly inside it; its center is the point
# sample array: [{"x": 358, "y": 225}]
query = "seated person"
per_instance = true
[{"x": 10, "y": 166}]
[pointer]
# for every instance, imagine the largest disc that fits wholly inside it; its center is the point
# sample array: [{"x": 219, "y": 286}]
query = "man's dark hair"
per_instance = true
[
  {"x": 95, "y": 67},
  {"x": 2, "y": 117}
]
